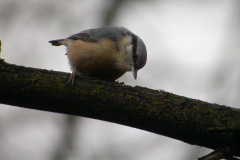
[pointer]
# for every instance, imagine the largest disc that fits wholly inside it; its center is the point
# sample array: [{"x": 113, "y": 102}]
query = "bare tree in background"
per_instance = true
[{"x": 66, "y": 144}]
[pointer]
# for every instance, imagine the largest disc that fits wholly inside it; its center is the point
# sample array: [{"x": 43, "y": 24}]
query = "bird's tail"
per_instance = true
[{"x": 56, "y": 42}]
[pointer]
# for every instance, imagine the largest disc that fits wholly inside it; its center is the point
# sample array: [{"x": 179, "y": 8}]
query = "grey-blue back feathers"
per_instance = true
[{"x": 103, "y": 32}]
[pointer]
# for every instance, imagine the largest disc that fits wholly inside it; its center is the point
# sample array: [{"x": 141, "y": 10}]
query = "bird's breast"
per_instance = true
[{"x": 100, "y": 60}]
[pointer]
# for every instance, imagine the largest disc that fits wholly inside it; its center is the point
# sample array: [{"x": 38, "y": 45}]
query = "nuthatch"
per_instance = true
[{"x": 105, "y": 53}]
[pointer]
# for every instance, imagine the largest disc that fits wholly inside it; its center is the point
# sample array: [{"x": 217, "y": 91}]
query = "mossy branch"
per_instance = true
[{"x": 156, "y": 111}]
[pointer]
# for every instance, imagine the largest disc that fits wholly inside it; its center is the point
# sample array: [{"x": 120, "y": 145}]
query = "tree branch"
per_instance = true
[{"x": 155, "y": 111}]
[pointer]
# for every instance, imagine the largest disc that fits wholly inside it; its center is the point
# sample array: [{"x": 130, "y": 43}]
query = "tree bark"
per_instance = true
[{"x": 188, "y": 120}]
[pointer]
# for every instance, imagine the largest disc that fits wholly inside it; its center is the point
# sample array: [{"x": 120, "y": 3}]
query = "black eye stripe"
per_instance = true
[
  {"x": 134, "y": 42},
  {"x": 134, "y": 48}
]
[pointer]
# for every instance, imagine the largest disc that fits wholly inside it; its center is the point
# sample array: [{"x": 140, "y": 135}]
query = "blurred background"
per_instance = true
[{"x": 193, "y": 51}]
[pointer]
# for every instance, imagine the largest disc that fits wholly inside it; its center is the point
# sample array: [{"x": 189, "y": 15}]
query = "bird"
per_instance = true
[{"x": 105, "y": 53}]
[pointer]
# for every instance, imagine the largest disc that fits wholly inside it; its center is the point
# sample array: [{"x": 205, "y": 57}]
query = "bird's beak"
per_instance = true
[{"x": 134, "y": 71}]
